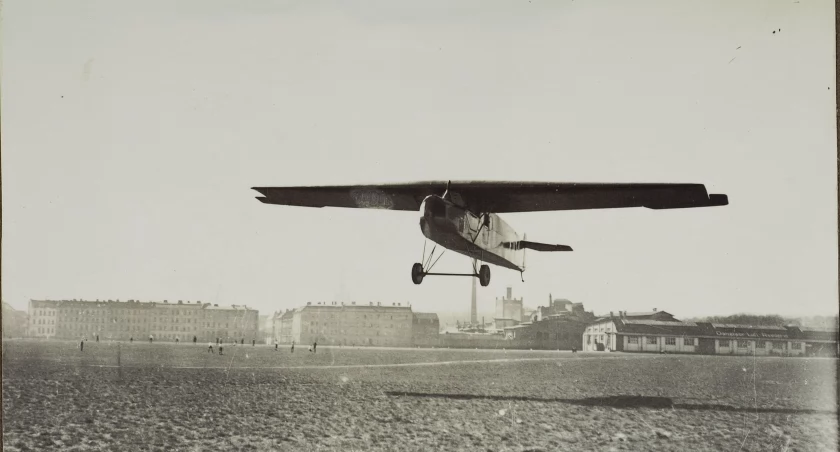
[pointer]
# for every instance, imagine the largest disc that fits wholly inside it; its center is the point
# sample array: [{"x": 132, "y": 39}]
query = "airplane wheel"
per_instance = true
[
  {"x": 484, "y": 275},
  {"x": 417, "y": 273}
]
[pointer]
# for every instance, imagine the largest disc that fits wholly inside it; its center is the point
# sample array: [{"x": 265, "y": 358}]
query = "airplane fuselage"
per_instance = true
[{"x": 486, "y": 238}]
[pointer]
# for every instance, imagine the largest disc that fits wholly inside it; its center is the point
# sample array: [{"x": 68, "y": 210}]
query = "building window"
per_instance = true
[
  {"x": 743, "y": 344},
  {"x": 724, "y": 343},
  {"x": 632, "y": 340},
  {"x": 651, "y": 341},
  {"x": 760, "y": 344},
  {"x": 670, "y": 341},
  {"x": 688, "y": 341},
  {"x": 778, "y": 345},
  {"x": 796, "y": 345}
]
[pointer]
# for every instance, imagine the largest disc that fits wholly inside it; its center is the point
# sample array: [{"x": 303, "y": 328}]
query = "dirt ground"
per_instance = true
[{"x": 180, "y": 397}]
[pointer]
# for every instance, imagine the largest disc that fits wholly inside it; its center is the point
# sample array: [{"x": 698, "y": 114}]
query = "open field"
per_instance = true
[{"x": 179, "y": 397}]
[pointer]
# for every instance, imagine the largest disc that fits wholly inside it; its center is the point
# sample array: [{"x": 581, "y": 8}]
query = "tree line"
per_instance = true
[{"x": 820, "y": 321}]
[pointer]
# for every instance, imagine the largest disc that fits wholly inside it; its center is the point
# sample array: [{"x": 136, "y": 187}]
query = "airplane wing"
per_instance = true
[
  {"x": 387, "y": 196},
  {"x": 500, "y": 197}
]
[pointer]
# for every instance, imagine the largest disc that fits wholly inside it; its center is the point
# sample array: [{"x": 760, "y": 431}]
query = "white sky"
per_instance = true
[{"x": 134, "y": 130}]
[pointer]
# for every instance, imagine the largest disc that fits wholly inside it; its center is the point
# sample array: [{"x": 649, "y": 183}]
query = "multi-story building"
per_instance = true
[
  {"x": 354, "y": 324},
  {"x": 508, "y": 311},
  {"x": 425, "y": 328},
  {"x": 282, "y": 326},
  {"x": 557, "y": 308},
  {"x": 42, "y": 319},
  {"x": 557, "y": 326},
  {"x": 554, "y": 333},
  {"x": 183, "y": 321},
  {"x": 15, "y": 323}
]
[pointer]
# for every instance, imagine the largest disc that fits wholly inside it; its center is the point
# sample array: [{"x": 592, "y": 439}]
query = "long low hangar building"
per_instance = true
[{"x": 629, "y": 334}]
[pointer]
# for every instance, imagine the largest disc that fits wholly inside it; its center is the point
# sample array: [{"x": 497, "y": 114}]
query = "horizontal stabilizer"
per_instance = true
[{"x": 536, "y": 246}]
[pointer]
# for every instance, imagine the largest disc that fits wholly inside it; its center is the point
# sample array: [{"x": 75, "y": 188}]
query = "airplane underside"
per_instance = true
[
  {"x": 466, "y": 247},
  {"x": 462, "y": 245},
  {"x": 481, "y": 238}
]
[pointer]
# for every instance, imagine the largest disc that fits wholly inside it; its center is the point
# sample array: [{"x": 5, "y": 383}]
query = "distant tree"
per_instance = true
[
  {"x": 588, "y": 316},
  {"x": 819, "y": 321},
  {"x": 746, "y": 319}
]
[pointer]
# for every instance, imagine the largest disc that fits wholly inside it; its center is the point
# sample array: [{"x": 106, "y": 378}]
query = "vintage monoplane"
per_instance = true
[{"x": 462, "y": 216}]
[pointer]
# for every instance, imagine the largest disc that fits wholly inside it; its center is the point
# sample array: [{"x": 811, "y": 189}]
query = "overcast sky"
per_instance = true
[{"x": 133, "y": 131}]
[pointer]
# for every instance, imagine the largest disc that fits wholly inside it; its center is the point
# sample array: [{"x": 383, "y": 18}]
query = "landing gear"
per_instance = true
[
  {"x": 421, "y": 270},
  {"x": 484, "y": 275},
  {"x": 417, "y": 273}
]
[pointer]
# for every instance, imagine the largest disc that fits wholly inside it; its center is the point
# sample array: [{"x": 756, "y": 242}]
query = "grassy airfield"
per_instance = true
[{"x": 165, "y": 396}]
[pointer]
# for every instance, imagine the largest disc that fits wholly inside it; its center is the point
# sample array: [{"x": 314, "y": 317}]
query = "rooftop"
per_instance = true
[
  {"x": 338, "y": 305},
  {"x": 750, "y": 327},
  {"x": 136, "y": 304},
  {"x": 657, "y": 322},
  {"x": 660, "y": 327},
  {"x": 644, "y": 313},
  {"x": 426, "y": 315}
]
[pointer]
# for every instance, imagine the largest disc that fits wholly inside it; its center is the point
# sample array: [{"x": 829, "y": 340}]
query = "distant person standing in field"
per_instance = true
[
  {"x": 194, "y": 340},
  {"x": 97, "y": 337},
  {"x": 82, "y": 345},
  {"x": 275, "y": 346},
  {"x": 242, "y": 341},
  {"x": 253, "y": 342},
  {"x": 150, "y": 338},
  {"x": 220, "y": 349},
  {"x": 293, "y": 346},
  {"x": 177, "y": 340},
  {"x": 131, "y": 339},
  {"x": 209, "y": 347},
  {"x": 315, "y": 347}
]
